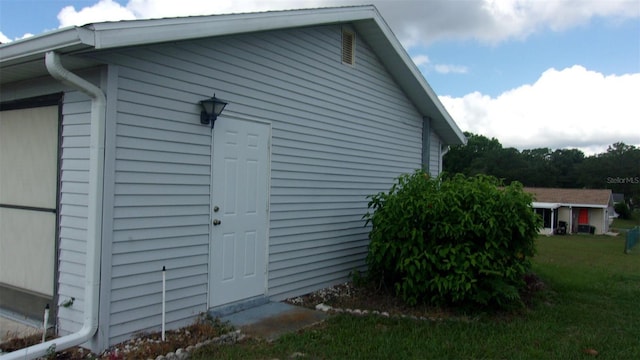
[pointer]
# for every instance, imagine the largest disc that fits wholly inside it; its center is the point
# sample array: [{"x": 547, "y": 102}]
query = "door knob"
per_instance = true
[{"x": 216, "y": 222}]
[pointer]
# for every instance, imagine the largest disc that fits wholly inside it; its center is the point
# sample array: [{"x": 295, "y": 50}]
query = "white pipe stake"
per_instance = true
[
  {"x": 45, "y": 323},
  {"x": 164, "y": 288}
]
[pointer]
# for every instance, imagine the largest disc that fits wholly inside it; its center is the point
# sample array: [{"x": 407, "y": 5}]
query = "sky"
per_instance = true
[{"x": 530, "y": 73}]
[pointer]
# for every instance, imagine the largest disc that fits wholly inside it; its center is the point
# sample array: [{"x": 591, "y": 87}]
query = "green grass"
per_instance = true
[
  {"x": 592, "y": 302},
  {"x": 625, "y": 224}
]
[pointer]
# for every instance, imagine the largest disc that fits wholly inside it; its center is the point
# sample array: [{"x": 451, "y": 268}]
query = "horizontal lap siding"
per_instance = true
[
  {"x": 353, "y": 133},
  {"x": 339, "y": 133},
  {"x": 73, "y": 209},
  {"x": 161, "y": 205}
]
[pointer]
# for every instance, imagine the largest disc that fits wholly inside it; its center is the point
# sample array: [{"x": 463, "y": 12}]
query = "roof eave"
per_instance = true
[
  {"x": 63, "y": 40},
  {"x": 545, "y": 205},
  {"x": 585, "y": 205},
  {"x": 116, "y": 34}
]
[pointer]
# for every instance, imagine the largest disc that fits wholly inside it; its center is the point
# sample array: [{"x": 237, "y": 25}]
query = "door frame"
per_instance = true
[
  {"x": 32, "y": 304},
  {"x": 210, "y": 285}
]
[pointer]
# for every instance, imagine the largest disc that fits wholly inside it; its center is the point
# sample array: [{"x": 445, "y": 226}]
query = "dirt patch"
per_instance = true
[
  {"x": 376, "y": 298},
  {"x": 141, "y": 346},
  {"x": 348, "y": 296}
]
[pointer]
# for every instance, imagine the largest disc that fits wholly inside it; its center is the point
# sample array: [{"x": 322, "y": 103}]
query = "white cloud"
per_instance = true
[
  {"x": 172, "y": 8},
  {"x": 3, "y": 38},
  {"x": 109, "y": 10},
  {"x": 493, "y": 21},
  {"x": 448, "y": 69},
  {"x": 104, "y": 10},
  {"x": 520, "y": 18},
  {"x": 424, "y": 63},
  {"x": 421, "y": 60},
  {"x": 573, "y": 107}
]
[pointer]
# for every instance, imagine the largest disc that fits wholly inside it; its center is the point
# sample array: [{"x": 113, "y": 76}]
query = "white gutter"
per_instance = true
[
  {"x": 94, "y": 223},
  {"x": 32, "y": 49}
]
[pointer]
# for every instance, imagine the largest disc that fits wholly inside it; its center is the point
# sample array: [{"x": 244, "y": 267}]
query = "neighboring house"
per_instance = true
[
  {"x": 582, "y": 210},
  {"x": 618, "y": 198},
  {"x": 108, "y": 175}
]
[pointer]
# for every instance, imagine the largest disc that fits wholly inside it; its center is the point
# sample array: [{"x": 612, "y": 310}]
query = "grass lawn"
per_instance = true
[
  {"x": 625, "y": 224},
  {"x": 592, "y": 304}
]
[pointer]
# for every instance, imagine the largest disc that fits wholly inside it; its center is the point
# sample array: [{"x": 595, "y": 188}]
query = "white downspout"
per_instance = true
[
  {"x": 94, "y": 222},
  {"x": 444, "y": 149}
]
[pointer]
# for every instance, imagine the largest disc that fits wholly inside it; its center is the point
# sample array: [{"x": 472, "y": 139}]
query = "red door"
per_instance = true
[{"x": 583, "y": 217}]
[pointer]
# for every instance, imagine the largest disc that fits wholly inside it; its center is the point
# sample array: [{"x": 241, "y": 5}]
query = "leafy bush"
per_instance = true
[
  {"x": 622, "y": 210},
  {"x": 457, "y": 241}
]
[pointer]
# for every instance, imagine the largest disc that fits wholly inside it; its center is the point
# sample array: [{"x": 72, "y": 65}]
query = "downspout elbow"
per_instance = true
[{"x": 60, "y": 73}]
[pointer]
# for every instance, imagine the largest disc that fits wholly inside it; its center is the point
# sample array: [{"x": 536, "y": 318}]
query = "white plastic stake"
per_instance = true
[
  {"x": 164, "y": 288},
  {"x": 45, "y": 323}
]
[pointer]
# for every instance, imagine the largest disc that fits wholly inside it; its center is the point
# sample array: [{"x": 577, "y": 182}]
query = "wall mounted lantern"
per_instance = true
[{"x": 211, "y": 108}]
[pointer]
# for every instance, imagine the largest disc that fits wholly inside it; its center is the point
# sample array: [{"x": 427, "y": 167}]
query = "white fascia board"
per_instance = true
[
  {"x": 545, "y": 205},
  {"x": 63, "y": 40},
  {"x": 139, "y": 32},
  {"x": 135, "y": 32},
  {"x": 585, "y": 206}
]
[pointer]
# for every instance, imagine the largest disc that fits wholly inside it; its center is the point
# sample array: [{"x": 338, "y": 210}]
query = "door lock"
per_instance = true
[
  {"x": 216, "y": 222},
  {"x": 216, "y": 209}
]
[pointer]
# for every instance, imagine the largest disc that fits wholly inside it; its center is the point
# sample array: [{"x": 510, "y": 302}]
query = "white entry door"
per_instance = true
[{"x": 239, "y": 205}]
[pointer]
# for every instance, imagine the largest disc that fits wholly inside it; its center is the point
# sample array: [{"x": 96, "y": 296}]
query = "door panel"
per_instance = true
[
  {"x": 583, "y": 217},
  {"x": 239, "y": 225}
]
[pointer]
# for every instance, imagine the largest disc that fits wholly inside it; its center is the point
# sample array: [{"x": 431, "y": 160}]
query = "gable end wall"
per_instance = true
[{"x": 339, "y": 134}]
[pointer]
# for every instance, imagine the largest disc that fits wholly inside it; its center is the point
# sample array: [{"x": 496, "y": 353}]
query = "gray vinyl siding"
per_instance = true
[
  {"x": 339, "y": 134},
  {"x": 73, "y": 209},
  {"x": 161, "y": 206}
]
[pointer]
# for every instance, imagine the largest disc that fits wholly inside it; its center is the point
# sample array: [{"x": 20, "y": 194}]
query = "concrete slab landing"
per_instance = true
[{"x": 271, "y": 320}]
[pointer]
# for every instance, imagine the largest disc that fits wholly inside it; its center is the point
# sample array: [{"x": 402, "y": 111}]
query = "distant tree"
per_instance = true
[
  {"x": 565, "y": 162},
  {"x": 619, "y": 149},
  {"x": 472, "y": 158},
  {"x": 623, "y": 211},
  {"x": 617, "y": 169},
  {"x": 539, "y": 171},
  {"x": 508, "y": 165}
]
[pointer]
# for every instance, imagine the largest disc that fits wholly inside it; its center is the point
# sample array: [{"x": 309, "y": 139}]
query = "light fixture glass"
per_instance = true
[{"x": 211, "y": 108}]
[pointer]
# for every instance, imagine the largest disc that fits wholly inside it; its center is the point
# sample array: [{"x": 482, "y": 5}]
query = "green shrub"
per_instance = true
[
  {"x": 622, "y": 210},
  {"x": 458, "y": 241}
]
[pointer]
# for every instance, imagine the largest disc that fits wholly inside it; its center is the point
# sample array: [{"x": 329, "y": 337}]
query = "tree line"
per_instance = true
[{"x": 617, "y": 169}]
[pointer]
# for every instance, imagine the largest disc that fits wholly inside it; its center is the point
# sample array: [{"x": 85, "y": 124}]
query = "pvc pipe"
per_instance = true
[
  {"x": 164, "y": 288},
  {"x": 94, "y": 222},
  {"x": 45, "y": 323}
]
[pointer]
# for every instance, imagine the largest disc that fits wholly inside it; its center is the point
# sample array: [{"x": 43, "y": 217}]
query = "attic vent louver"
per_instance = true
[{"x": 348, "y": 47}]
